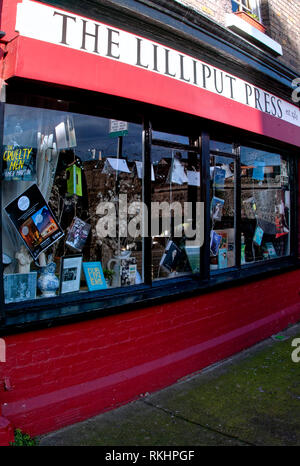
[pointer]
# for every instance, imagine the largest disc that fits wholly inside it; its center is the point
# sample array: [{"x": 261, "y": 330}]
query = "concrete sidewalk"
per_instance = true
[{"x": 252, "y": 398}]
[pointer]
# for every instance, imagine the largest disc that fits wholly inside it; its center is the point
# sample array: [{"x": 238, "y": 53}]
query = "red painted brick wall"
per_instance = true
[{"x": 62, "y": 375}]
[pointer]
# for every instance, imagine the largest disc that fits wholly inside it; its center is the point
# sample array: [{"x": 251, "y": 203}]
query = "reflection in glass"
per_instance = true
[
  {"x": 78, "y": 165},
  {"x": 175, "y": 192},
  {"x": 222, "y": 212},
  {"x": 265, "y": 204}
]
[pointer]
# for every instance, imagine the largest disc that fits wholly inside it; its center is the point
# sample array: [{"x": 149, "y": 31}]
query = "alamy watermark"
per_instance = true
[
  {"x": 296, "y": 352},
  {"x": 2, "y": 350},
  {"x": 123, "y": 220},
  {"x": 296, "y": 92}
]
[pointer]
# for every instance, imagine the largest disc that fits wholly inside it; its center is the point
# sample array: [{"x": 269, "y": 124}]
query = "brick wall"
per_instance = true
[
  {"x": 281, "y": 18},
  {"x": 216, "y": 10},
  {"x": 55, "y": 377}
]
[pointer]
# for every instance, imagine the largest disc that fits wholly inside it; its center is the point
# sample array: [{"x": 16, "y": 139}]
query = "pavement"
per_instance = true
[{"x": 252, "y": 398}]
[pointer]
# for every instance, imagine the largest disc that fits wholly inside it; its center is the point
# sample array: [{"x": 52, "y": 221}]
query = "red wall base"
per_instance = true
[
  {"x": 60, "y": 376},
  {"x": 6, "y": 432}
]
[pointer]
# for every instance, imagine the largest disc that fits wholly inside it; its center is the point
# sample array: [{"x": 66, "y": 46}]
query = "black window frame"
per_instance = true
[{"x": 54, "y": 311}]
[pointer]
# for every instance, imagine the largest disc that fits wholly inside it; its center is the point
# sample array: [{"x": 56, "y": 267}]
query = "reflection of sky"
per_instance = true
[
  {"x": 221, "y": 146},
  {"x": 170, "y": 137},
  {"x": 223, "y": 160},
  {"x": 23, "y": 123},
  {"x": 252, "y": 156}
]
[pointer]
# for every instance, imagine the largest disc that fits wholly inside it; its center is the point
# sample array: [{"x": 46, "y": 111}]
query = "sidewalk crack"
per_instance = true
[{"x": 206, "y": 427}]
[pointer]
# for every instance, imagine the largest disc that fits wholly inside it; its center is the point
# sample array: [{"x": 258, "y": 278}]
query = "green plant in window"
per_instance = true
[
  {"x": 108, "y": 275},
  {"x": 22, "y": 439},
  {"x": 253, "y": 15}
]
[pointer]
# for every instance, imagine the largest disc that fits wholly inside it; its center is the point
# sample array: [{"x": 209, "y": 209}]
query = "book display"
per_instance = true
[
  {"x": 222, "y": 243},
  {"x": 266, "y": 206},
  {"x": 56, "y": 182},
  {"x": 73, "y": 197}
]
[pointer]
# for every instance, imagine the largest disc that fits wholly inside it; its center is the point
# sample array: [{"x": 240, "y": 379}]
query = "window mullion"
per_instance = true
[
  {"x": 237, "y": 207},
  {"x": 147, "y": 201},
  {"x": 205, "y": 197},
  {"x": 2, "y": 314}
]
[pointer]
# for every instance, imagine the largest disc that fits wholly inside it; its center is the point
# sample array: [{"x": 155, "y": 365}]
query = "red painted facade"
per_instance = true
[{"x": 58, "y": 376}]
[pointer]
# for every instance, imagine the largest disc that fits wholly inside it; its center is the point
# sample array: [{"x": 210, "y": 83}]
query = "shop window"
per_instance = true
[
  {"x": 251, "y": 7},
  {"x": 177, "y": 215},
  {"x": 76, "y": 192},
  {"x": 222, "y": 211},
  {"x": 63, "y": 177},
  {"x": 265, "y": 205}
]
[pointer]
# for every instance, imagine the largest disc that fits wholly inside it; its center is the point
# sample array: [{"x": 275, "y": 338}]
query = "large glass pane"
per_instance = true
[
  {"x": 69, "y": 184},
  {"x": 177, "y": 220},
  {"x": 265, "y": 204},
  {"x": 220, "y": 146},
  {"x": 222, "y": 212}
]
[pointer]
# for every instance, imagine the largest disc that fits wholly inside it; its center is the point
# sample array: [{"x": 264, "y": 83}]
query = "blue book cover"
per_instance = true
[
  {"x": 258, "y": 235},
  {"x": 219, "y": 178},
  {"x": 222, "y": 258},
  {"x": 94, "y": 276}
]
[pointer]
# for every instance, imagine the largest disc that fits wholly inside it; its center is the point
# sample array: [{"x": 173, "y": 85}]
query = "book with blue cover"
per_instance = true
[
  {"x": 94, "y": 276},
  {"x": 258, "y": 235}
]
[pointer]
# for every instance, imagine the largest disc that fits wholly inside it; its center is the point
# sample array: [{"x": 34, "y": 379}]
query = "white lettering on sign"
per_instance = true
[{"x": 76, "y": 32}]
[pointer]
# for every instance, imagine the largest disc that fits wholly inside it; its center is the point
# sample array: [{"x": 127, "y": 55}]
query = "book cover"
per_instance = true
[
  {"x": 219, "y": 178},
  {"x": 215, "y": 241},
  {"x": 216, "y": 208},
  {"x": 128, "y": 273},
  {"x": 222, "y": 258},
  {"x": 224, "y": 240},
  {"x": 74, "y": 180},
  {"x": 78, "y": 233},
  {"x": 34, "y": 221},
  {"x": 171, "y": 256},
  {"x": 193, "y": 255},
  {"x": 19, "y": 163},
  {"x": 258, "y": 235},
  {"x": 19, "y": 287},
  {"x": 94, "y": 276},
  {"x": 271, "y": 250}
]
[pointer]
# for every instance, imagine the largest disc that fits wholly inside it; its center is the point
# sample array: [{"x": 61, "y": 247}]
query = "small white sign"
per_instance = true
[{"x": 116, "y": 126}]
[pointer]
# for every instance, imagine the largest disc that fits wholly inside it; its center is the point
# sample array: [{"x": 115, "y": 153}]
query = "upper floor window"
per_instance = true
[{"x": 248, "y": 6}]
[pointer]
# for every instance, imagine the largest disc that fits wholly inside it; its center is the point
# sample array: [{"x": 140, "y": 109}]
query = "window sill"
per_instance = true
[
  {"x": 53, "y": 313},
  {"x": 244, "y": 29}
]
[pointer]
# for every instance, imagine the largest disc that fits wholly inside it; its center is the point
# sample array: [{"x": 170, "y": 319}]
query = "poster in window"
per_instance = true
[
  {"x": 19, "y": 163},
  {"x": 34, "y": 221}
]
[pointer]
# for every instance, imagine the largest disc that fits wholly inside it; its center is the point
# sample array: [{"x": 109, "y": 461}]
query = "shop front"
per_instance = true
[{"x": 149, "y": 208}]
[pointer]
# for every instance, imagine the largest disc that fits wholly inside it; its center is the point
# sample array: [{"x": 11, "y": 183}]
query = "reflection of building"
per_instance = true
[{"x": 207, "y": 77}]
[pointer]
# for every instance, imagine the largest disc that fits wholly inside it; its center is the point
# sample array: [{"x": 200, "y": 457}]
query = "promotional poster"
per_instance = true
[{"x": 34, "y": 221}]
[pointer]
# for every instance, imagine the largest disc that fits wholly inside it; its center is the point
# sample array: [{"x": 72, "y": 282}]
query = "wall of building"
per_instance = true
[
  {"x": 59, "y": 376},
  {"x": 282, "y": 20},
  {"x": 280, "y": 17}
]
